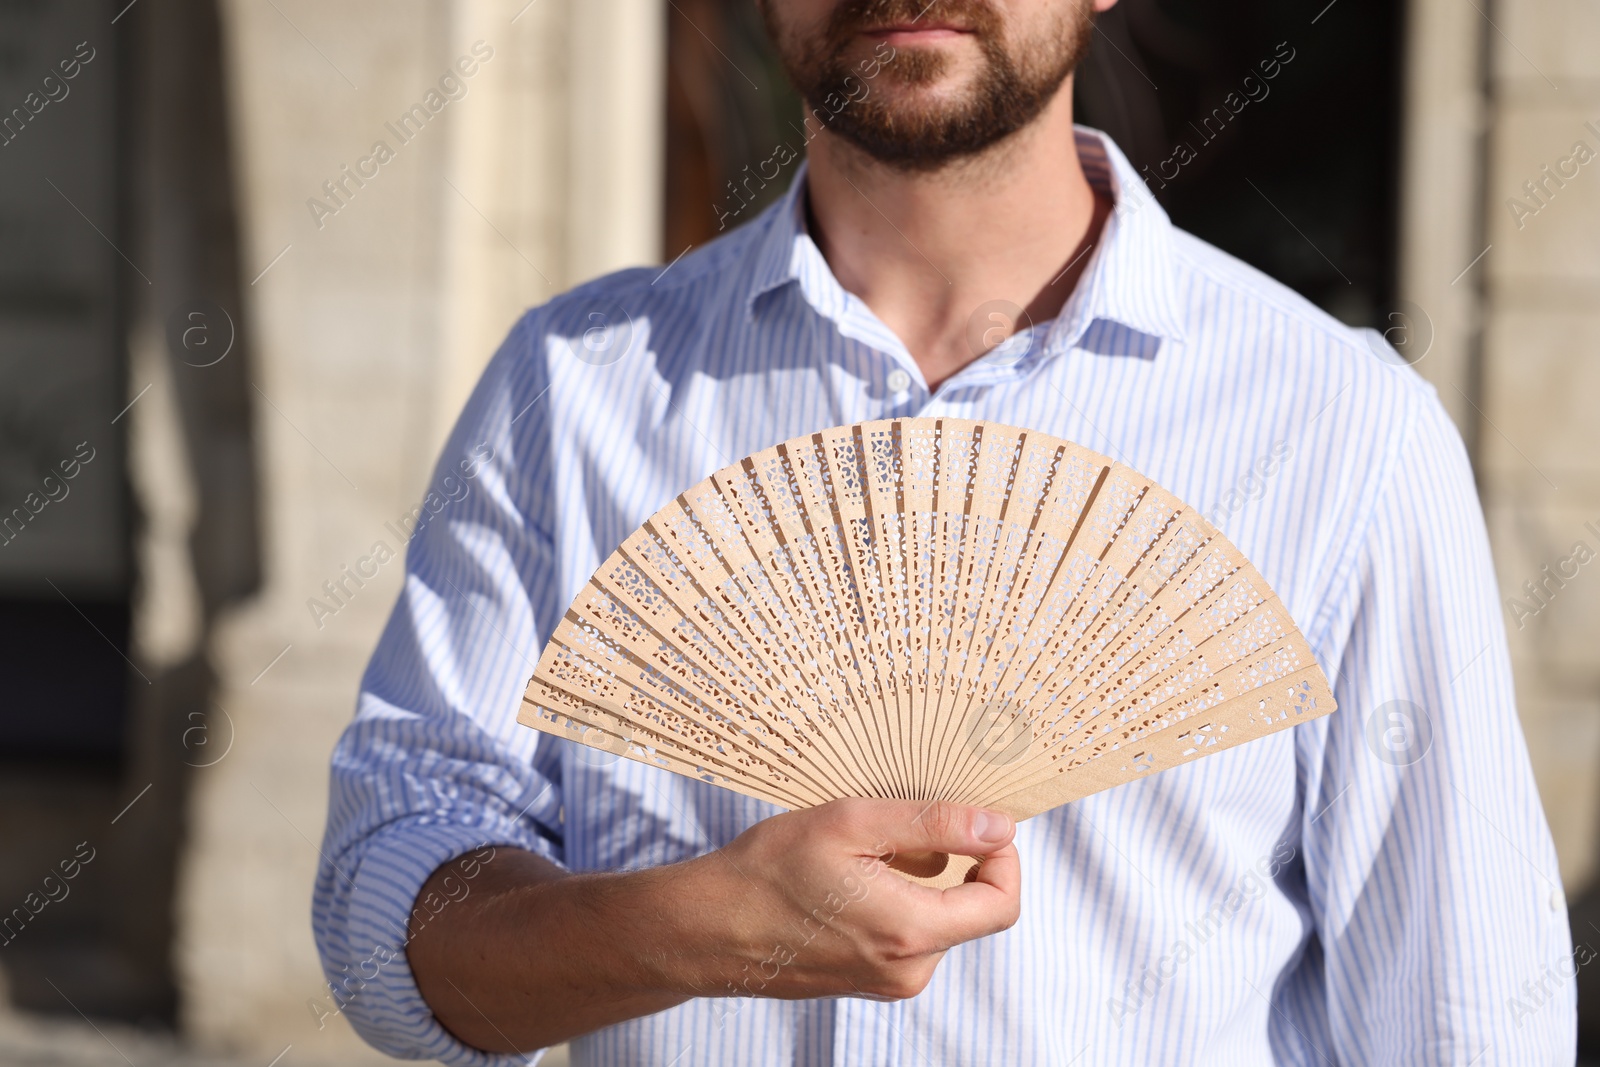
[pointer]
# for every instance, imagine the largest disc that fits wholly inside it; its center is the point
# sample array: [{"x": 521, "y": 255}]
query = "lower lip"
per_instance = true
[{"x": 913, "y": 37}]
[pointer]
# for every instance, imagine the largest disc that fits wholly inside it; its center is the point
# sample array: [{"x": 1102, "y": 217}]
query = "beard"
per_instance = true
[{"x": 1014, "y": 83}]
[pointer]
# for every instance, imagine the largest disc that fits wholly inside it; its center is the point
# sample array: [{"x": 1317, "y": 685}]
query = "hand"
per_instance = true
[
  {"x": 804, "y": 905},
  {"x": 799, "y": 905}
]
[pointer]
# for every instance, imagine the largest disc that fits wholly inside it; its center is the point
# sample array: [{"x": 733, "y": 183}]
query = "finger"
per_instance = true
[
  {"x": 986, "y": 905},
  {"x": 892, "y": 827},
  {"x": 1003, "y": 871}
]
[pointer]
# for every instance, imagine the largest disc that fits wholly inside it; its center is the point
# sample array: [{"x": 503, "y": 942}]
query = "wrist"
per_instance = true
[{"x": 653, "y": 924}]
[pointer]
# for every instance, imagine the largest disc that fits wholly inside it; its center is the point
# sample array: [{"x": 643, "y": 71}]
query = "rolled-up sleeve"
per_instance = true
[
  {"x": 434, "y": 765},
  {"x": 1439, "y": 925}
]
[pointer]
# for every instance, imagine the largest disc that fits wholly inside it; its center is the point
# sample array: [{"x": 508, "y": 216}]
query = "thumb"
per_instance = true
[{"x": 915, "y": 826}]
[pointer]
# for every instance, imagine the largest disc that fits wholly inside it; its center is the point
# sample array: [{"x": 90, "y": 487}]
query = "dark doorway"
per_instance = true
[
  {"x": 65, "y": 521},
  {"x": 64, "y": 524},
  {"x": 1269, "y": 130},
  {"x": 117, "y": 210}
]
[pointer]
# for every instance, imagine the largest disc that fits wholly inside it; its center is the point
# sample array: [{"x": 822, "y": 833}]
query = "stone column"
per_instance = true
[
  {"x": 1500, "y": 224},
  {"x": 1540, "y": 453},
  {"x": 380, "y": 281}
]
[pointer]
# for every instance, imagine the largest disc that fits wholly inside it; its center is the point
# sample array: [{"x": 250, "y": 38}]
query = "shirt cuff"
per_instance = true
[{"x": 365, "y": 962}]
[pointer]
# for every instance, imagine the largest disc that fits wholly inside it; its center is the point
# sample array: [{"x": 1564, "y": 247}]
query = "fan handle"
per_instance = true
[{"x": 936, "y": 870}]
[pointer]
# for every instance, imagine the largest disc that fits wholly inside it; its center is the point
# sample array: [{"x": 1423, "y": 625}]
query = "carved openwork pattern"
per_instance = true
[{"x": 924, "y": 608}]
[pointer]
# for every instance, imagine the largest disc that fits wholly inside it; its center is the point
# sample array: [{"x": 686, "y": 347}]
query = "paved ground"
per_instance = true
[
  {"x": 26, "y": 1041},
  {"x": 31, "y": 1041}
]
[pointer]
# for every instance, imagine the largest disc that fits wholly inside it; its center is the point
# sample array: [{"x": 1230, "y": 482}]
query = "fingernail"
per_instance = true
[{"x": 991, "y": 826}]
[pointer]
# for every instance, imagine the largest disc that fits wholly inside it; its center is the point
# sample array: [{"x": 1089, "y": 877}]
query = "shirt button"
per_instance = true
[
  {"x": 898, "y": 381},
  {"x": 1556, "y": 899}
]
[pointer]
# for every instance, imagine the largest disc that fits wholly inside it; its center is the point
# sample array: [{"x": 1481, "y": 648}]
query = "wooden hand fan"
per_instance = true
[{"x": 924, "y": 609}]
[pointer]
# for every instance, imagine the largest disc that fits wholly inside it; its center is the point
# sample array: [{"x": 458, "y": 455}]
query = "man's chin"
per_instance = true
[
  {"x": 883, "y": 60},
  {"x": 932, "y": 85}
]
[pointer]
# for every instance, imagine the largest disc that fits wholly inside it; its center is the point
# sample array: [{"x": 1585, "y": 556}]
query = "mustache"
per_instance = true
[{"x": 850, "y": 18}]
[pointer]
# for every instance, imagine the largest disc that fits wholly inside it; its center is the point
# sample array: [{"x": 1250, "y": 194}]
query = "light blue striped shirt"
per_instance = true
[{"x": 1375, "y": 887}]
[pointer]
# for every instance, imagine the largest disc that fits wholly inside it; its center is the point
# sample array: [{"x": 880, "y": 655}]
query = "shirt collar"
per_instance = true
[{"x": 1128, "y": 279}]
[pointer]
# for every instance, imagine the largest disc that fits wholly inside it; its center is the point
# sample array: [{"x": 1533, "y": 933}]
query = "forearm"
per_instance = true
[
  {"x": 533, "y": 955},
  {"x": 797, "y": 906}
]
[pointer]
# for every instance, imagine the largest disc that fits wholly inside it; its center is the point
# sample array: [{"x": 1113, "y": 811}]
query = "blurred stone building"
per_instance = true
[
  {"x": 366, "y": 290},
  {"x": 350, "y": 294},
  {"x": 540, "y": 170}
]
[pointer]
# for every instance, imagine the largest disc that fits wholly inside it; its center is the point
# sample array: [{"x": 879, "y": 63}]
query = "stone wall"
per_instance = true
[
  {"x": 374, "y": 314},
  {"x": 1540, "y": 457},
  {"x": 1507, "y": 279},
  {"x": 376, "y": 304}
]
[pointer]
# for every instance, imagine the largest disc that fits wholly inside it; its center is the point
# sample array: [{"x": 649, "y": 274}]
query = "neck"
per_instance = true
[{"x": 927, "y": 251}]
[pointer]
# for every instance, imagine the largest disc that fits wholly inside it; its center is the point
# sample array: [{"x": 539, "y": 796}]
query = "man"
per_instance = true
[{"x": 1375, "y": 887}]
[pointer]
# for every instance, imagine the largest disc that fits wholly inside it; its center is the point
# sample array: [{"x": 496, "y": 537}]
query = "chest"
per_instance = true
[{"x": 1242, "y": 459}]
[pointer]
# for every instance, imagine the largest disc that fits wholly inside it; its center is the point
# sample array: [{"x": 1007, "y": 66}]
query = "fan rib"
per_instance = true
[
  {"x": 1060, "y": 655},
  {"x": 1015, "y": 575},
  {"x": 884, "y": 476},
  {"x": 924, "y": 608},
  {"x": 997, "y": 451},
  {"x": 1087, "y": 508},
  {"x": 952, "y": 591},
  {"x": 867, "y": 562},
  {"x": 791, "y": 674},
  {"x": 883, "y": 514},
  {"x": 839, "y": 585},
  {"x": 802, "y": 597},
  {"x": 1042, "y": 685},
  {"x": 690, "y": 610},
  {"x": 578, "y": 723},
  {"x": 709, "y": 688}
]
